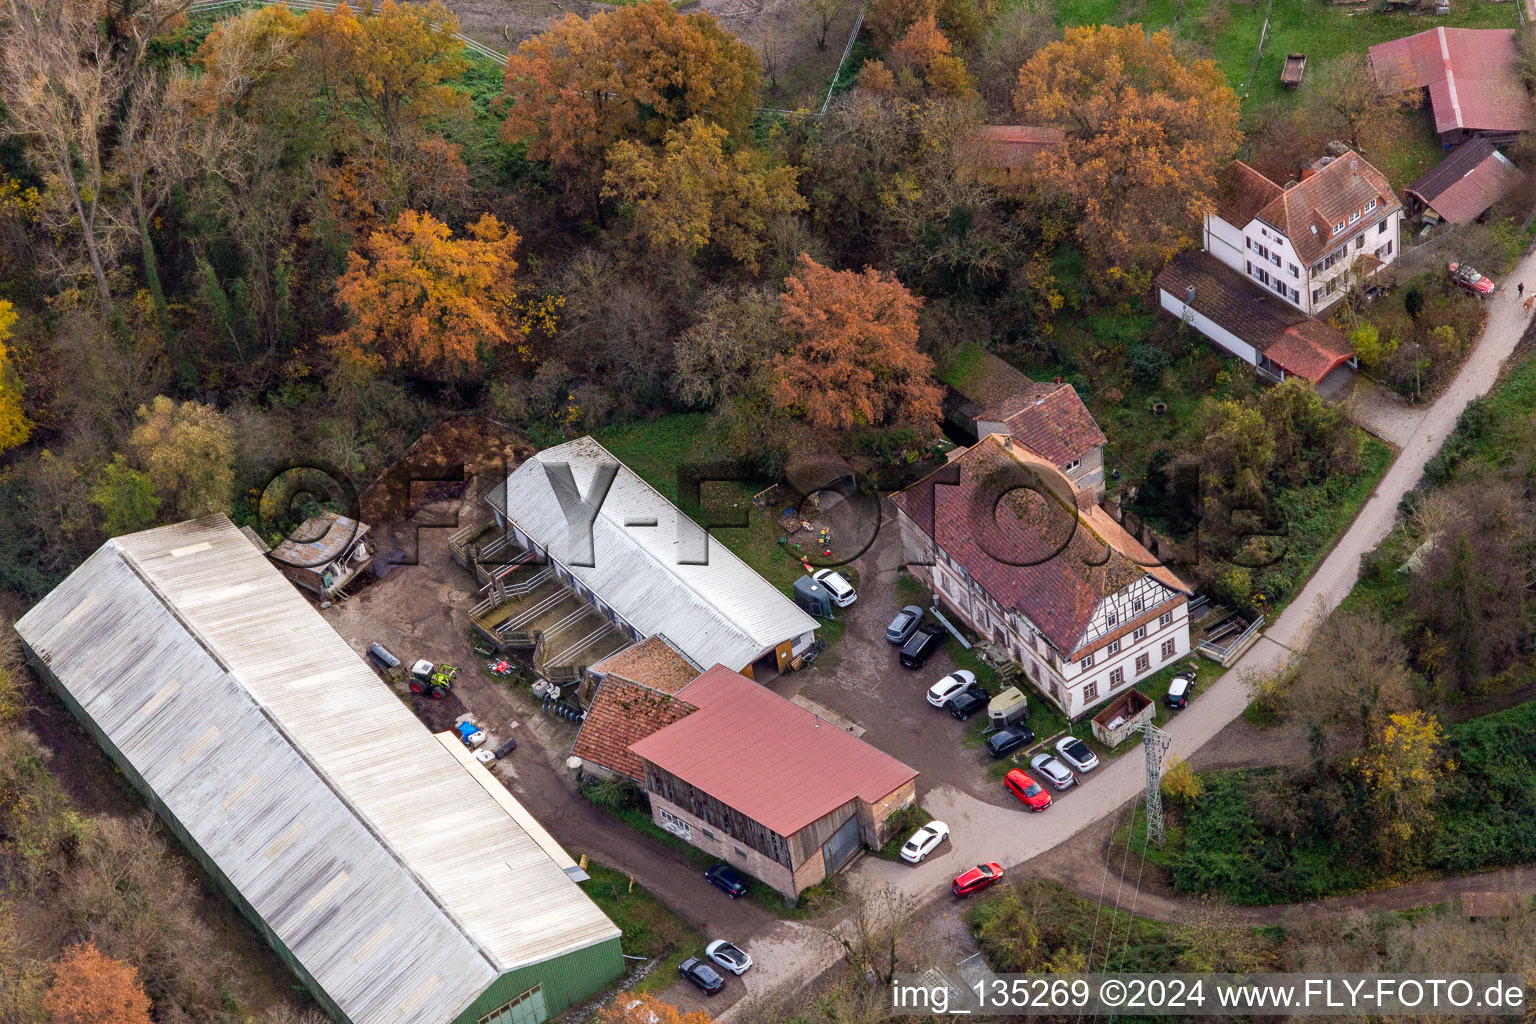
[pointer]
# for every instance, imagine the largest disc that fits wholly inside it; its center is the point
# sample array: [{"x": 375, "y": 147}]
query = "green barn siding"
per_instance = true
[
  {"x": 567, "y": 980},
  {"x": 185, "y": 838}
]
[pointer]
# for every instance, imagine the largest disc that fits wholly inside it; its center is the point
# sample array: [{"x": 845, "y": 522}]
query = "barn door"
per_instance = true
[{"x": 843, "y": 844}]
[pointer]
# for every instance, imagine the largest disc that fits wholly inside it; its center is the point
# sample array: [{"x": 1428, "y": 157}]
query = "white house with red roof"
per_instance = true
[
  {"x": 1302, "y": 242},
  {"x": 1031, "y": 562}
]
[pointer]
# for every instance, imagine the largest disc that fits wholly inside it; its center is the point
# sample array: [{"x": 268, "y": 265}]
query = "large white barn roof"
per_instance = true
[
  {"x": 718, "y": 612},
  {"x": 396, "y": 878}
]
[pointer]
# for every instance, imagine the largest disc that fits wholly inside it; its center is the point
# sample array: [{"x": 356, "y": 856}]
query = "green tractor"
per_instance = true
[{"x": 433, "y": 680}]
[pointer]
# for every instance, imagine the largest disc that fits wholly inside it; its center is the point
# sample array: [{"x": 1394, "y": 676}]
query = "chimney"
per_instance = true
[
  {"x": 1007, "y": 440},
  {"x": 1059, "y": 380},
  {"x": 1189, "y": 296}
]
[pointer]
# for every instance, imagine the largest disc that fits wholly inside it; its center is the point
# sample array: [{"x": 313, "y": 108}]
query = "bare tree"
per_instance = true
[
  {"x": 163, "y": 144},
  {"x": 1354, "y": 674},
  {"x": 61, "y": 83},
  {"x": 823, "y": 14},
  {"x": 871, "y": 933}
]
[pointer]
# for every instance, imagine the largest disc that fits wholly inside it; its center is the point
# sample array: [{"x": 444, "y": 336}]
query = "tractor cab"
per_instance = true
[{"x": 432, "y": 680}]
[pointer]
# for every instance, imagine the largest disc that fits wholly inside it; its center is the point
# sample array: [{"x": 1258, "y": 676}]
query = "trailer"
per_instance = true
[{"x": 1295, "y": 67}]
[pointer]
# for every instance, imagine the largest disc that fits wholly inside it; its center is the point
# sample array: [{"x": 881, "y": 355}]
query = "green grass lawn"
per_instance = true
[{"x": 650, "y": 928}]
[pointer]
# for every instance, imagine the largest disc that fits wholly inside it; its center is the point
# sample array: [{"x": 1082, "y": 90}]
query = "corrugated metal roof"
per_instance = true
[
  {"x": 1472, "y": 75},
  {"x": 717, "y": 612},
  {"x": 399, "y": 883}
]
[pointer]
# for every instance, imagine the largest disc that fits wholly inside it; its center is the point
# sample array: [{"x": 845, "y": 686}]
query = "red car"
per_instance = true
[
  {"x": 977, "y": 879},
  {"x": 1470, "y": 280},
  {"x": 1029, "y": 792}
]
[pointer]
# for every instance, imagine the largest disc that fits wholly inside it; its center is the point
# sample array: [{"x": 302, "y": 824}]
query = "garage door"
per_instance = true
[{"x": 843, "y": 844}]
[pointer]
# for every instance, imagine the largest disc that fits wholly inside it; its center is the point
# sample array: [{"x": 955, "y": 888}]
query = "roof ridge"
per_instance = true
[{"x": 711, "y": 541}]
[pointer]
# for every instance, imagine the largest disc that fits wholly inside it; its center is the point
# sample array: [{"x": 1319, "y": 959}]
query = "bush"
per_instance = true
[
  {"x": 1180, "y": 781},
  {"x": 1148, "y": 363}
]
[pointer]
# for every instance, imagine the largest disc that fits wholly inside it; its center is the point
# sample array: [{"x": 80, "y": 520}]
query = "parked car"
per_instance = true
[
  {"x": 964, "y": 705},
  {"x": 1076, "y": 753},
  {"x": 727, "y": 879},
  {"x": 924, "y": 841},
  {"x": 1053, "y": 771},
  {"x": 921, "y": 645},
  {"x": 729, "y": 956},
  {"x": 1008, "y": 739},
  {"x": 701, "y": 974},
  {"x": 978, "y": 878},
  {"x": 1030, "y": 793},
  {"x": 841, "y": 590},
  {"x": 904, "y": 624},
  {"x": 1180, "y": 688},
  {"x": 951, "y": 686},
  {"x": 1470, "y": 280}
]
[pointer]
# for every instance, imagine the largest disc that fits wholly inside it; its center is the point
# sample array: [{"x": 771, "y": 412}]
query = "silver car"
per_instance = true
[
  {"x": 1076, "y": 753},
  {"x": 1053, "y": 771},
  {"x": 904, "y": 624}
]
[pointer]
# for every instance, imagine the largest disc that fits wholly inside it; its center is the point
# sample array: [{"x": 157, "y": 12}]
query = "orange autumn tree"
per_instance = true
[
  {"x": 627, "y": 1008},
  {"x": 1145, "y": 136},
  {"x": 426, "y": 302},
  {"x": 635, "y": 72},
  {"x": 90, "y": 988},
  {"x": 855, "y": 360}
]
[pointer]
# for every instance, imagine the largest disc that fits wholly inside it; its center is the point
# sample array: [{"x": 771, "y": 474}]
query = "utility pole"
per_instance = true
[{"x": 1156, "y": 742}]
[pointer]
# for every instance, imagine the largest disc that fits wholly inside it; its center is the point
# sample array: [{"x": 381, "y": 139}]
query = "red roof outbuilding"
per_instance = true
[
  {"x": 1472, "y": 75},
  {"x": 767, "y": 758}
]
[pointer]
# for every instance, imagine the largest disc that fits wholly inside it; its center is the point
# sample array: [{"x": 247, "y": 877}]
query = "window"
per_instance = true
[
  {"x": 1087, "y": 662},
  {"x": 677, "y": 826},
  {"x": 1140, "y": 634},
  {"x": 1055, "y": 692},
  {"x": 1117, "y": 678},
  {"x": 1274, "y": 258},
  {"x": 1137, "y": 604},
  {"x": 1317, "y": 293},
  {"x": 1090, "y": 692},
  {"x": 1114, "y": 647},
  {"x": 1034, "y": 671},
  {"x": 1069, "y": 467},
  {"x": 1110, "y": 617},
  {"x": 527, "y": 1008},
  {"x": 1294, "y": 269},
  {"x": 1340, "y": 226},
  {"x": 1142, "y": 664},
  {"x": 740, "y": 852},
  {"x": 1354, "y": 218},
  {"x": 707, "y": 833},
  {"x": 1166, "y": 619},
  {"x": 1370, "y": 206},
  {"x": 1168, "y": 649},
  {"x": 1295, "y": 295},
  {"x": 1360, "y": 241},
  {"x": 1381, "y": 228},
  {"x": 1249, "y": 265},
  {"x": 1263, "y": 252},
  {"x": 1317, "y": 268}
]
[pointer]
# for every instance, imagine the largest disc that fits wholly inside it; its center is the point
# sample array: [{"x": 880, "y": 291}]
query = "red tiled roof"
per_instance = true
[
  {"x": 1310, "y": 349},
  {"x": 1469, "y": 181},
  {"x": 1078, "y": 554},
  {"x": 1058, "y": 426},
  {"x": 621, "y": 713},
  {"x": 652, "y": 662},
  {"x": 769, "y": 759},
  {"x": 1471, "y": 73},
  {"x": 1297, "y": 343},
  {"x": 1241, "y": 192},
  {"x": 1048, "y": 417},
  {"x": 1308, "y": 212}
]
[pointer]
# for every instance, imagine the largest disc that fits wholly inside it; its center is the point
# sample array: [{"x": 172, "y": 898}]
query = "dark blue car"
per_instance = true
[{"x": 727, "y": 879}]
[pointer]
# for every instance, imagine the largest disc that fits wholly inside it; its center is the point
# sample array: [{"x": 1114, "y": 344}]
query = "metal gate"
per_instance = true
[{"x": 843, "y": 844}]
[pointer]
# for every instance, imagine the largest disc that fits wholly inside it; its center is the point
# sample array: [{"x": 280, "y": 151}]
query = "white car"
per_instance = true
[
  {"x": 924, "y": 841},
  {"x": 728, "y": 956},
  {"x": 950, "y": 687},
  {"x": 841, "y": 590},
  {"x": 1076, "y": 753},
  {"x": 1053, "y": 771}
]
